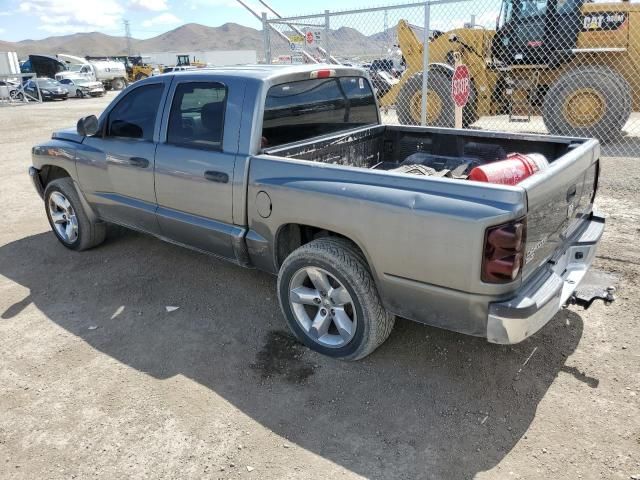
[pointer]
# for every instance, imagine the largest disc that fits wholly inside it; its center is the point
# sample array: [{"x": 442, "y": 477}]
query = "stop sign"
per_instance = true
[
  {"x": 309, "y": 38},
  {"x": 460, "y": 85}
]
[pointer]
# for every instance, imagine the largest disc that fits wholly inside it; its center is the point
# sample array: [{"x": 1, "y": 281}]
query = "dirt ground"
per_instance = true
[{"x": 98, "y": 380}]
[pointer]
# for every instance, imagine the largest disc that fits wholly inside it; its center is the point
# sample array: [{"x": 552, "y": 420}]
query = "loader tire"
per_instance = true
[
  {"x": 141, "y": 76},
  {"x": 440, "y": 106},
  {"x": 625, "y": 88},
  {"x": 588, "y": 102}
]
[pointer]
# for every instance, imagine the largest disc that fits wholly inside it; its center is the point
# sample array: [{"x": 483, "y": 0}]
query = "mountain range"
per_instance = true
[{"x": 343, "y": 41}]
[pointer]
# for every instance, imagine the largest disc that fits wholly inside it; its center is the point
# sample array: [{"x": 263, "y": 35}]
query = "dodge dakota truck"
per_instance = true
[{"x": 288, "y": 169}]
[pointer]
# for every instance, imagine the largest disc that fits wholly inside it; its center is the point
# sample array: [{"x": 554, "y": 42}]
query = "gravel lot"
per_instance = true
[{"x": 97, "y": 379}]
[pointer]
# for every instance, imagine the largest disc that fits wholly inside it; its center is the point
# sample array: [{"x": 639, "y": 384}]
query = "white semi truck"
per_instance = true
[{"x": 112, "y": 74}]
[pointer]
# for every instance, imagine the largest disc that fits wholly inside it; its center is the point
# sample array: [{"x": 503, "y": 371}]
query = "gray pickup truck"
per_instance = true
[{"x": 289, "y": 170}]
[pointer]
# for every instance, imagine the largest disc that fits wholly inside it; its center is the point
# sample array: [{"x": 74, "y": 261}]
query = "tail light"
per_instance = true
[
  {"x": 322, "y": 73},
  {"x": 503, "y": 255}
]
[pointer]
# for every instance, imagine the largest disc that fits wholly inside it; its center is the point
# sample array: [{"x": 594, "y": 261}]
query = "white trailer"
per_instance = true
[{"x": 9, "y": 64}]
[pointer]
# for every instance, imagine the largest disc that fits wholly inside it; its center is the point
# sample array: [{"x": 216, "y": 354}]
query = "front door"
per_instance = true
[
  {"x": 194, "y": 169},
  {"x": 116, "y": 167}
]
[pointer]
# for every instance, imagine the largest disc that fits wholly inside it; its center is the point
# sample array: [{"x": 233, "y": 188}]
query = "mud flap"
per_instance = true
[{"x": 596, "y": 285}]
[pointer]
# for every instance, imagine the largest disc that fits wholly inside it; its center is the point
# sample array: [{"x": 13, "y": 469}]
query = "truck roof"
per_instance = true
[{"x": 270, "y": 72}]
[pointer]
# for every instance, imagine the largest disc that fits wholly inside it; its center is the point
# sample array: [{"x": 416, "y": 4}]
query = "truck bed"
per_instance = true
[
  {"x": 557, "y": 201},
  {"x": 386, "y": 146}
]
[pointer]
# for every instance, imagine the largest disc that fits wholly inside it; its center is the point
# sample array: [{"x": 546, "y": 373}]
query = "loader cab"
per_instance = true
[{"x": 536, "y": 32}]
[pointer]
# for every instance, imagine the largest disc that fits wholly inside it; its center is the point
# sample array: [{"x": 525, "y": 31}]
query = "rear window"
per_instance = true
[{"x": 299, "y": 110}]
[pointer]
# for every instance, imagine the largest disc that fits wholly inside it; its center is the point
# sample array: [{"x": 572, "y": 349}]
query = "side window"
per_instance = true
[
  {"x": 65, "y": 81},
  {"x": 197, "y": 115},
  {"x": 135, "y": 115}
]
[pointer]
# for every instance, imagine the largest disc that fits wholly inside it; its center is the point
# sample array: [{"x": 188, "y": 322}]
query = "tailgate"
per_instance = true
[{"x": 559, "y": 200}]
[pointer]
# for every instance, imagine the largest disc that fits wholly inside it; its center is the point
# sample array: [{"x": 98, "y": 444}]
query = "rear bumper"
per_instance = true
[{"x": 537, "y": 301}]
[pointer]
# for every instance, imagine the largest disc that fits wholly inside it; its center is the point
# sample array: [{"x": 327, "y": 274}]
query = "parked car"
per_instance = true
[
  {"x": 9, "y": 89},
  {"x": 49, "y": 89},
  {"x": 288, "y": 170},
  {"x": 81, "y": 87}
]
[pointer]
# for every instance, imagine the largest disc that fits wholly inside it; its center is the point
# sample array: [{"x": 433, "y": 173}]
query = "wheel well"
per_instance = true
[
  {"x": 293, "y": 235},
  {"x": 49, "y": 173}
]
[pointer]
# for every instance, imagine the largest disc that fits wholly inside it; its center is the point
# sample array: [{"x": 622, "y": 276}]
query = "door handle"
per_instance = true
[
  {"x": 219, "y": 177},
  {"x": 571, "y": 192},
  {"x": 138, "y": 162},
  {"x": 127, "y": 161}
]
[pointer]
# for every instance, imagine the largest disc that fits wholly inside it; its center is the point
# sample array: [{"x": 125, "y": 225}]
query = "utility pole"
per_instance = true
[
  {"x": 127, "y": 34},
  {"x": 386, "y": 34}
]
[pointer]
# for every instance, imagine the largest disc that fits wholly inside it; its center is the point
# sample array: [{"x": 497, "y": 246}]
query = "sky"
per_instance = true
[{"x": 37, "y": 19}]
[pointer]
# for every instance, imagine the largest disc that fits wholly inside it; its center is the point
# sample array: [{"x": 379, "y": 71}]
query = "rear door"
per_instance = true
[
  {"x": 116, "y": 167},
  {"x": 560, "y": 200},
  {"x": 195, "y": 163}
]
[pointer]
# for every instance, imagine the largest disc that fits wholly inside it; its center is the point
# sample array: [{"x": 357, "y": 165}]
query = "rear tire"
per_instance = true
[
  {"x": 118, "y": 84},
  {"x": 588, "y": 102},
  {"x": 349, "y": 283},
  {"x": 68, "y": 219},
  {"x": 623, "y": 85},
  {"x": 141, "y": 76},
  {"x": 441, "y": 111}
]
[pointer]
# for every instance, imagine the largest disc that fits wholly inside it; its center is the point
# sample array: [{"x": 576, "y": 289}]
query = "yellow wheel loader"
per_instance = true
[
  {"x": 137, "y": 69},
  {"x": 569, "y": 61}
]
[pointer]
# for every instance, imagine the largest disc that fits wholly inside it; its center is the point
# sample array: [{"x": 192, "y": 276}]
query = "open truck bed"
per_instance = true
[{"x": 425, "y": 235}]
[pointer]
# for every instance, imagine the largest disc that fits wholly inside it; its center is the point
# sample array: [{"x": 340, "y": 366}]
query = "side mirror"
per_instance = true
[{"x": 87, "y": 126}]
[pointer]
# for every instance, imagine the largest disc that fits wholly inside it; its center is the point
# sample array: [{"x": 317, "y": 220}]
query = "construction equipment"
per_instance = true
[
  {"x": 183, "y": 61},
  {"x": 567, "y": 60},
  {"x": 135, "y": 66},
  {"x": 138, "y": 69}
]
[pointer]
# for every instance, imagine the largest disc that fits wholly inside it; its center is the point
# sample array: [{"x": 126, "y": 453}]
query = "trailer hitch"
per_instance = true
[
  {"x": 596, "y": 285},
  {"x": 585, "y": 301}
]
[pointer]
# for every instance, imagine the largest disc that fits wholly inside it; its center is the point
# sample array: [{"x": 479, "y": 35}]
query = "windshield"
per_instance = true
[
  {"x": 521, "y": 9},
  {"x": 47, "y": 82}
]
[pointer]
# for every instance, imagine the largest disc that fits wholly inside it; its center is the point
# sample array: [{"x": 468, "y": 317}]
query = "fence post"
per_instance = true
[
  {"x": 326, "y": 34},
  {"x": 425, "y": 62},
  {"x": 266, "y": 38}
]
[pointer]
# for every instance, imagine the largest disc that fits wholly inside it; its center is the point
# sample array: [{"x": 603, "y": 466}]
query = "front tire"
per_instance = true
[
  {"x": 440, "y": 106},
  {"x": 79, "y": 93},
  {"x": 329, "y": 299},
  {"x": 587, "y": 102},
  {"x": 68, "y": 219}
]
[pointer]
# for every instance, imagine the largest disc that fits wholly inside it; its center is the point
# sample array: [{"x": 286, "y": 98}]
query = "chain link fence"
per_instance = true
[
  {"x": 12, "y": 90},
  {"x": 561, "y": 67}
]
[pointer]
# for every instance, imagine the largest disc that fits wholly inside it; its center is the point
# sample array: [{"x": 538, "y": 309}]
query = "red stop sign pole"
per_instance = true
[{"x": 460, "y": 89}]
